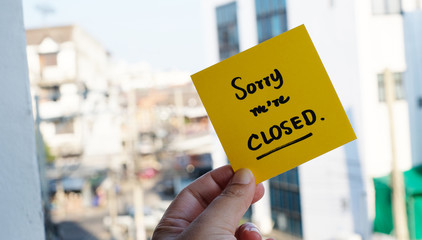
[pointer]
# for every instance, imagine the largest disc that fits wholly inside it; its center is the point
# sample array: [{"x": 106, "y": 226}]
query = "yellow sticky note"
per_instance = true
[{"x": 273, "y": 106}]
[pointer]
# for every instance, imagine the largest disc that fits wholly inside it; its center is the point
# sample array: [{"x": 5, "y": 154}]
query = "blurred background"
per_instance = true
[{"x": 120, "y": 128}]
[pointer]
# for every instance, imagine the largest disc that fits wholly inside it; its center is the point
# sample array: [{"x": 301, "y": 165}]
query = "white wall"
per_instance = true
[
  {"x": 21, "y": 216},
  {"x": 381, "y": 46},
  {"x": 333, "y": 196},
  {"x": 355, "y": 46}
]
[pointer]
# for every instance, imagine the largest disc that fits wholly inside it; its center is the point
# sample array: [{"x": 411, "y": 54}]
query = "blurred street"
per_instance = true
[
  {"x": 83, "y": 225},
  {"x": 113, "y": 218}
]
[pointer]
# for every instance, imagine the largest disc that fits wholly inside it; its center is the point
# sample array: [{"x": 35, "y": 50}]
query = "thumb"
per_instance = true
[{"x": 225, "y": 211}]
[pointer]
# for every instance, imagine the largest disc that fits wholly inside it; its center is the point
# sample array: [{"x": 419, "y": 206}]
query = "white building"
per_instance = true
[
  {"x": 69, "y": 74},
  {"x": 357, "y": 42},
  {"x": 168, "y": 110}
]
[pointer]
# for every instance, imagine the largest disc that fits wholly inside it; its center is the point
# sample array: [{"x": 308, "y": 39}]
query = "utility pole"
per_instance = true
[
  {"x": 41, "y": 155},
  {"x": 137, "y": 191},
  {"x": 397, "y": 184},
  {"x": 112, "y": 200},
  {"x": 41, "y": 158},
  {"x": 178, "y": 102}
]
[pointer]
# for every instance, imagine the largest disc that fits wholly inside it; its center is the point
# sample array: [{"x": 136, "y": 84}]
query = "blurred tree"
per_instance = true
[{"x": 49, "y": 157}]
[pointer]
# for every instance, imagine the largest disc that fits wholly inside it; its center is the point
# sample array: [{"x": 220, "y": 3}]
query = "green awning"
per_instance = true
[{"x": 383, "y": 222}]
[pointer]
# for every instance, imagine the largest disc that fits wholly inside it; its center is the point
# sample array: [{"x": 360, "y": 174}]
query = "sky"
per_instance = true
[{"x": 164, "y": 33}]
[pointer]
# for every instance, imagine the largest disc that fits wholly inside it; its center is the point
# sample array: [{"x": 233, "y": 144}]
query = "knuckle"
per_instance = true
[{"x": 233, "y": 192}]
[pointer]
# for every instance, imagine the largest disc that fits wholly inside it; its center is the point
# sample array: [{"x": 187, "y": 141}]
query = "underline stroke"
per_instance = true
[{"x": 284, "y": 145}]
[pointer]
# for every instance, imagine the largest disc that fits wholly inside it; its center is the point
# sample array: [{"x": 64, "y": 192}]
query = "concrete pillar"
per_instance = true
[
  {"x": 20, "y": 199},
  {"x": 261, "y": 211}
]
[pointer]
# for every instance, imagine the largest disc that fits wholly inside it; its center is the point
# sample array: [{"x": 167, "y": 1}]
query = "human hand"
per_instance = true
[{"x": 211, "y": 208}]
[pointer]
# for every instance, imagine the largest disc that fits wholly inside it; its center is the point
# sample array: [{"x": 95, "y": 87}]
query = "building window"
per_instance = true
[
  {"x": 398, "y": 87},
  {"x": 271, "y": 18},
  {"x": 285, "y": 202},
  {"x": 64, "y": 126},
  {"x": 228, "y": 38},
  {"x": 386, "y": 6},
  {"x": 50, "y": 93},
  {"x": 48, "y": 59}
]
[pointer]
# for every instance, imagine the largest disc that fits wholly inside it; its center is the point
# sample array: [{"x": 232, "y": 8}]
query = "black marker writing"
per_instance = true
[
  {"x": 252, "y": 87},
  {"x": 284, "y": 146},
  {"x": 258, "y": 110},
  {"x": 285, "y": 127},
  {"x": 276, "y": 102}
]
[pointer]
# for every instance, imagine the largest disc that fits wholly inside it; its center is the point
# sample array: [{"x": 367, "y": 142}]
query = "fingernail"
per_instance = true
[
  {"x": 252, "y": 228},
  {"x": 242, "y": 176}
]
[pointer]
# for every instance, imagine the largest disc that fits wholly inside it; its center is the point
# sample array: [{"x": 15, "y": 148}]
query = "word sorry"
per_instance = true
[
  {"x": 286, "y": 127},
  {"x": 252, "y": 87}
]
